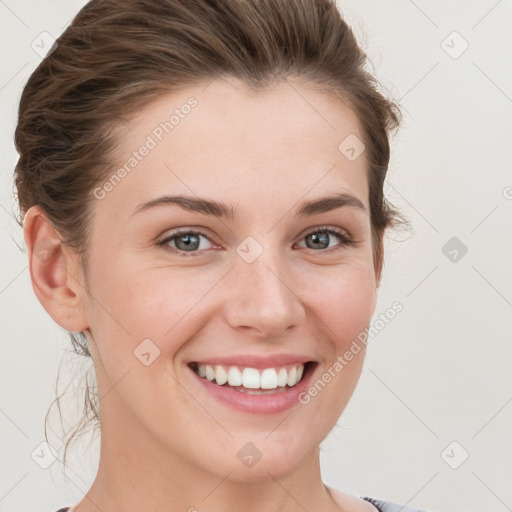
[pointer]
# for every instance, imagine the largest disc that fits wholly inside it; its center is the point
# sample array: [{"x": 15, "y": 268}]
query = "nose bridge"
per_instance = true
[
  {"x": 264, "y": 275},
  {"x": 261, "y": 297}
]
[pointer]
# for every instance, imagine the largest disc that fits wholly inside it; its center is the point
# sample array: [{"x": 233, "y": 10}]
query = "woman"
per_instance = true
[{"x": 201, "y": 187}]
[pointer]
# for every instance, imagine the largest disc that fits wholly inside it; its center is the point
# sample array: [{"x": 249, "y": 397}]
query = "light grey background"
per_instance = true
[{"x": 440, "y": 372}]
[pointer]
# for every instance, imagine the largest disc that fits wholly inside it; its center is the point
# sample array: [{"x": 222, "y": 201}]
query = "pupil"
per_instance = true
[
  {"x": 188, "y": 241},
  {"x": 322, "y": 238}
]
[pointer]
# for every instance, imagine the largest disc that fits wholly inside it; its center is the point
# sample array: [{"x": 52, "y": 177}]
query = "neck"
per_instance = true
[
  {"x": 150, "y": 483},
  {"x": 149, "y": 476}
]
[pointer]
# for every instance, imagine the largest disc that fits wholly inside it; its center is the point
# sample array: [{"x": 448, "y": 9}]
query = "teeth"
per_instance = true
[
  {"x": 251, "y": 378},
  {"x": 210, "y": 373},
  {"x": 235, "y": 377},
  {"x": 221, "y": 377},
  {"x": 282, "y": 378},
  {"x": 292, "y": 377},
  {"x": 269, "y": 379}
]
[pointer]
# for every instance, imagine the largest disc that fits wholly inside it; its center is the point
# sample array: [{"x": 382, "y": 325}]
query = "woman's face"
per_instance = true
[{"x": 257, "y": 279}]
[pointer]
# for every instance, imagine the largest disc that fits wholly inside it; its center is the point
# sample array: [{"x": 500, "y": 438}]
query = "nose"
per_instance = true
[{"x": 263, "y": 299}]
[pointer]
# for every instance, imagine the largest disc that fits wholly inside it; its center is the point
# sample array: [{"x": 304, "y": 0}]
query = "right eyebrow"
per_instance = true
[{"x": 194, "y": 204}]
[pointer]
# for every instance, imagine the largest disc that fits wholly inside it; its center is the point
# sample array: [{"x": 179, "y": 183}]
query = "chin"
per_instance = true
[{"x": 263, "y": 459}]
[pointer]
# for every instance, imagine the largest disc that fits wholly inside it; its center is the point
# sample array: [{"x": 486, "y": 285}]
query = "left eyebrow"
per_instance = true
[
  {"x": 326, "y": 204},
  {"x": 217, "y": 209}
]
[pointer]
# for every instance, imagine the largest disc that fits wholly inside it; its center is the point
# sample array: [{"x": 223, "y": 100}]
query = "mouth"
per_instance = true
[{"x": 254, "y": 381}]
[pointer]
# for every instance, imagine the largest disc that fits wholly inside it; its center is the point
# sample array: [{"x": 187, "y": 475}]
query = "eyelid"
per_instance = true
[
  {"x": 163, "y": 241},
  {"x": 339, "y": 231},
  {"x": 345, "y": 237}
]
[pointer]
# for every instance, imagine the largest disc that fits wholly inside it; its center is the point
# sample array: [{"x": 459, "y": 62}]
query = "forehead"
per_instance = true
[{"x": 223, "y": 139}]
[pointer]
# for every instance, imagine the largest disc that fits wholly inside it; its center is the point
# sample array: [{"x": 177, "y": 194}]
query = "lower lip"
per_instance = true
[{"x": 258, "y": 404}]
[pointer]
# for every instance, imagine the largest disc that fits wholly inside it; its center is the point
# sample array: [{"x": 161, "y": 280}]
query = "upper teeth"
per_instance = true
[{"x": 269, "y": 378}]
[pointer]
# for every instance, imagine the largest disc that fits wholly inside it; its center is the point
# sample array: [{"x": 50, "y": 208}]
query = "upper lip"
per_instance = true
[{"x": 256, "y": 361}]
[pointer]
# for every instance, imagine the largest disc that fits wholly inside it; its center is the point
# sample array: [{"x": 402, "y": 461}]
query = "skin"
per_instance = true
[{"x": 166, "y": 444}]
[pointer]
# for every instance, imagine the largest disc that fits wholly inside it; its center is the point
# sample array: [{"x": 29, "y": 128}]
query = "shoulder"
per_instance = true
[
  {"x": 351, "y": 502},
  {"x": 389, "y": 506},
  {"x": 380, "y": 505}
]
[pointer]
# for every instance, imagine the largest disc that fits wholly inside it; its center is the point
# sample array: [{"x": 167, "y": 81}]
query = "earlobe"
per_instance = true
[{"x": 53, "y": 272}]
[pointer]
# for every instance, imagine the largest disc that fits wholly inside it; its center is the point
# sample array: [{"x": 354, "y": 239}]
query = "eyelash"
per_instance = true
[{"x": 342, "y": 235}]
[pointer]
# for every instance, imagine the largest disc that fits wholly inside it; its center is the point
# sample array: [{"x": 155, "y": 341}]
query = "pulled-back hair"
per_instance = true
[{"x": 117, "y": 56}]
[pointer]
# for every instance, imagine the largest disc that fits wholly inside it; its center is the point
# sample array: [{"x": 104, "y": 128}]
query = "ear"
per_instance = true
[{"x": 55, "y": 272}]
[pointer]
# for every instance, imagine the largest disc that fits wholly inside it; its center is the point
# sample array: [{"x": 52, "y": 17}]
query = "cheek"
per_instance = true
[
  {"x": 171, "y": 305},
  {"x": 344, "y": 300},
  {"x": 164, "y": 305}
]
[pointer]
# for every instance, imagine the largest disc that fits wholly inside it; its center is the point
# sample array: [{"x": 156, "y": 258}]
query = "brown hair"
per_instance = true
[{"x": 119, "y": 55}]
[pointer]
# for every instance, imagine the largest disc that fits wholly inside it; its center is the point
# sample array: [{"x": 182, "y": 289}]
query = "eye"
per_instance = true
[
  {"x": 184, "y": 241},
  {"x": 320, "y": 238},
  {"x": 189, "y": 241}
]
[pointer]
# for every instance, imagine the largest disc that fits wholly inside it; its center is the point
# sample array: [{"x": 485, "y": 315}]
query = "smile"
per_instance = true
[{"x": 245, "y": 379}]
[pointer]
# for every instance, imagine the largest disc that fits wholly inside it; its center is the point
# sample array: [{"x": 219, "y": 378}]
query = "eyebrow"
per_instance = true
[{"x": 217, "y": 209}]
